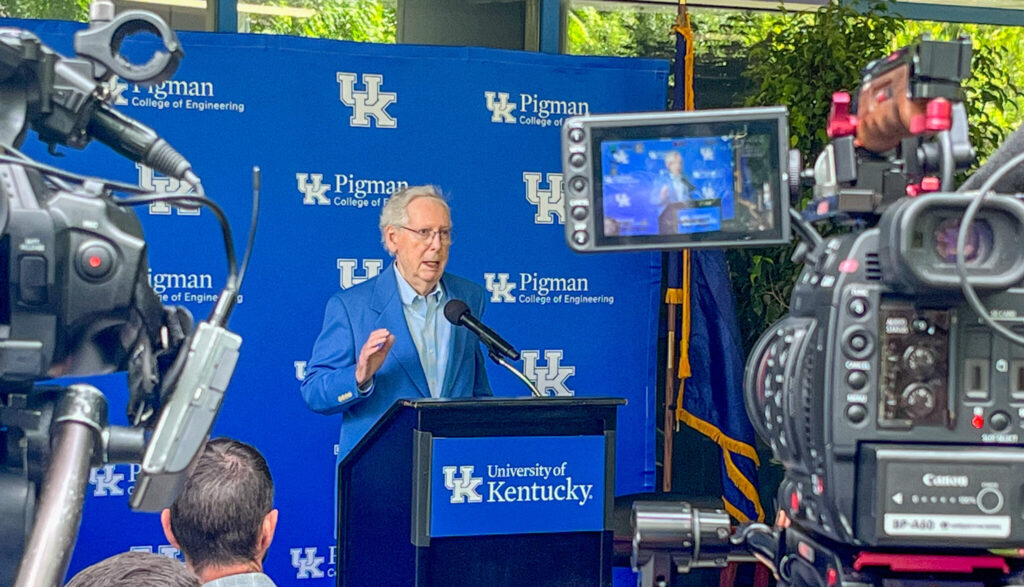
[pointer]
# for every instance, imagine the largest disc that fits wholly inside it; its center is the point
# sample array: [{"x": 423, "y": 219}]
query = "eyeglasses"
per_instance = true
[{"x": 427, "y": 234}]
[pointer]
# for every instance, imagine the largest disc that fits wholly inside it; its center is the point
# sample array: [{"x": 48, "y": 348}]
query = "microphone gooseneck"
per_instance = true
[{"x": 458, "y": 313}]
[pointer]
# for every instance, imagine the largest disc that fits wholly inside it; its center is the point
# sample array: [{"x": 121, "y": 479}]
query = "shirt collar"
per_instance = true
[{"x": 409, "y": 295}]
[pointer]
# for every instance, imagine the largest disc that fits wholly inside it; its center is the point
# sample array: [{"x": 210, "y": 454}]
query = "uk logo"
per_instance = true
[
  {"x": 158, "y": 184},
  {"x": 551, "y": 376},
  {"x": 463, "y": 488},
  {"x": 707, "y": 153},
  {"x": 300, "y": 369},
  {"x": 501, "y": 109},
  {"x": 548, "y": 201},
  {"x": 115, "y": 89},
  {"x": 163, "y": 550},
  {"x": 501, "y": 290},
  {"x": 347, "y": 271},
  {"x": 308, "y": 566},
  {"x": 371, "y": 102},
  {"x": 106, "y": 481},
  {"x": 622, "y": 200},
  {"x": 312, "y": 188}
]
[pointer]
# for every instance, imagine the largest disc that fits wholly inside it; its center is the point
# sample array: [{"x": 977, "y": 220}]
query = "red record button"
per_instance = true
[{"x": 95, "y": 260}]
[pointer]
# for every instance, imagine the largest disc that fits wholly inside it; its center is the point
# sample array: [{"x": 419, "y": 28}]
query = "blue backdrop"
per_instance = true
[{"x": 335, "y": 127}]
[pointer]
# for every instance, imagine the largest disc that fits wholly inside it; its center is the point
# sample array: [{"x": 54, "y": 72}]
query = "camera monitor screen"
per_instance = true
[{"x": 677, "y": 180}]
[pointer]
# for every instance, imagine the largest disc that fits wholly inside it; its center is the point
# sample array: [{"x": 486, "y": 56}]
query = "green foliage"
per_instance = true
[
  {"x": 625, "y": 33},
  {"x": 353, "y": 20},
  {"x": 994, "y": 96},
  {"x": 800, "y": 59},
  {"x": 57, "y": 9}
]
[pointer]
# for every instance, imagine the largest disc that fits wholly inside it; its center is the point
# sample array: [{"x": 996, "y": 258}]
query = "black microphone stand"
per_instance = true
[{"x": 497, "y": 358}]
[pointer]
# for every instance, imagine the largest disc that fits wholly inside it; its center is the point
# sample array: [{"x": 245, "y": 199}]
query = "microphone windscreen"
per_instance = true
[{"x": 454, "y": 310}]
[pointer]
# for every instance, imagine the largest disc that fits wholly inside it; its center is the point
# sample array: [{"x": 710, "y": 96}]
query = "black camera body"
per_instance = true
[
  {"x": 73, "y": 264},
  {"x": 892, "y": 393},
  {"x": 897, "y": 415},
  {"x": 77, "y": 299}
]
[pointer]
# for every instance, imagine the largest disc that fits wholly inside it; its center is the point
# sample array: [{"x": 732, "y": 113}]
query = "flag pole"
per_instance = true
[{"x": 678, "y": 298}]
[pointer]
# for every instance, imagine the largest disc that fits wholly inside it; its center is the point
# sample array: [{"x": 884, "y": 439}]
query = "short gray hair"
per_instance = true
[
  {"x": 396, "y": 211},
  {"x": 218, "y": 516},
  {"x": 130, "y": 569}
]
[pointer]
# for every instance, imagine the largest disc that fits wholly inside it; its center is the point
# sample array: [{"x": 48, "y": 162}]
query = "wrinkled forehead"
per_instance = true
[{"x": 428, "y": 212}]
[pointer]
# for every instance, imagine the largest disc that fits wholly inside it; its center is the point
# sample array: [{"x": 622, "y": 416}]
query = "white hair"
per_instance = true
[{"x": 396, "y": 211}]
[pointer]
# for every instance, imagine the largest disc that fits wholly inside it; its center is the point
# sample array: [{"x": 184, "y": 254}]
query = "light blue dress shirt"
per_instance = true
[
  {"x": 431, "y": 332},
  {"x": 242, "y": 580}
]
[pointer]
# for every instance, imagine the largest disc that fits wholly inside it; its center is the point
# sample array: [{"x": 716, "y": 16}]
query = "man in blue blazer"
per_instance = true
[{"x": 387, "y": 338}]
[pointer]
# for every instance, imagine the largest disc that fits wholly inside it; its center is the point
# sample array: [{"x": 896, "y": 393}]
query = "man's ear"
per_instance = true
[
  {"x": 391, "y": 238},
  {"x": 267, "y": 529},
  {"x": 165, "y": 521}
]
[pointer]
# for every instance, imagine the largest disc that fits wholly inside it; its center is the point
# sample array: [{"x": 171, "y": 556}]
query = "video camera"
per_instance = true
[
  {"x": 77, "y": 301},
  {"x": 893, "y": 392}
]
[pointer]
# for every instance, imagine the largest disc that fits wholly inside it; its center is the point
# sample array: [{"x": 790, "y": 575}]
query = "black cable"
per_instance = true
[
  {"x": 805, "y": 230},
  {"x": 68, "y": 175},
  {"x": 179, "y": 198},
  {"x": 961, "y": 262},
  {"x": 23, "y": 159},
  {"x": 222, "y": 309},
  {"x": 252, "y": 224}
]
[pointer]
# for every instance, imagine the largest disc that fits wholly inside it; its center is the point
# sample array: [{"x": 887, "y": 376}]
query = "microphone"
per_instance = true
[
  {"x": 137, "y": 142},
  {"x": 457, "y": 312}
]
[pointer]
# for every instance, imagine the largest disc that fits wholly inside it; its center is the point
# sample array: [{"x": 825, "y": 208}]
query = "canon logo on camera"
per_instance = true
[{"x": 932, "y": 480}]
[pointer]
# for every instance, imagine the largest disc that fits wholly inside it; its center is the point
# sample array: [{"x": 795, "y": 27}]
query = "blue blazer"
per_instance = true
[{"x": 350, "y": 317}]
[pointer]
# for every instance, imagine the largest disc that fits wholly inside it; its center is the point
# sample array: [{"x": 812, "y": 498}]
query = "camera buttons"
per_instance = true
[
  {"x": 990, "y": 500},
  {"x": 856, "y": 413},
  {"x": 999, "y": 421},
  {"x": 857, "y": 343},
  {"x": 32, "y": 278},
  {"x": 95, "y": 260},
  {"x": 857, "y": 380},
  {"x": 858, "y": 307}
]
